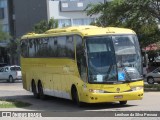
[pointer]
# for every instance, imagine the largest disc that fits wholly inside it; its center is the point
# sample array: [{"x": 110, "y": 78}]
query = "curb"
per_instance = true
[{"x": 151, "y": 89}]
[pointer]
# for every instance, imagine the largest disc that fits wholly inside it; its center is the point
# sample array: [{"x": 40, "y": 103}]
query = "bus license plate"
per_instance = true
[{"x": 118, "y": 96}]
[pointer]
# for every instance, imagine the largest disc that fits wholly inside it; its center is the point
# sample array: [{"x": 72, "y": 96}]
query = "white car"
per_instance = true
[
  {"x": 153, "y": 76},
  {"x": 10, "y": 73}
]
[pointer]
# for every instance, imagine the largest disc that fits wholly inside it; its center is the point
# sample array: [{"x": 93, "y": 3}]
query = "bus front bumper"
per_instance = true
[{"x": 112, "y": 97}]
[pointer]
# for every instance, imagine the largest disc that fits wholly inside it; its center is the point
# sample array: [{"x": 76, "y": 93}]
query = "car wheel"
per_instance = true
[
  {"x": 10, "y": 79},
  {"x": 150, "y": 80}
]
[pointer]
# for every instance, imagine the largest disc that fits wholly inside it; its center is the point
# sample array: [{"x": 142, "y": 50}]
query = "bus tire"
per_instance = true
[
  {"x": 75, "y": 97},
  {"x": 123, "y": 102},
  {"x": 40, "y": 91},
  {"x": 34, "y": 90}
]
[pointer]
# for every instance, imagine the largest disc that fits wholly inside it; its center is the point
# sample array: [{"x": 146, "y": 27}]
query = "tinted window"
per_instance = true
[
  {"x": 2, "y": 64},
  {"x": 48, "y": 47},
  {"x": 1, "y": 13},
  {"x": 81, "y": 59},
  {"x": 32, "y": 47},
  {"x": 15, "y": 69},
  {"x": 24, "y": 48},
  {"x": 41, "y": 47},
  {"x": 65, "y": 46}
]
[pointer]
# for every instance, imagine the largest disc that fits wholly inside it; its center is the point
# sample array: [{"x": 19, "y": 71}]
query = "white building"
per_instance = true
[
  {"x": 4, "y": 21},
  {"x": 71, "y": 12},
  {"x": 4, "y": 15}
]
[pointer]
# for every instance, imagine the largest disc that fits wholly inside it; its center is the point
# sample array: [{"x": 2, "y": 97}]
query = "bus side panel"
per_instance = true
[
  {"x": 24, "y": 80},
  {"x": 65, "y": 84},
  {"x": 48, "y": 84},
  {"x": 26, "y": 77}
]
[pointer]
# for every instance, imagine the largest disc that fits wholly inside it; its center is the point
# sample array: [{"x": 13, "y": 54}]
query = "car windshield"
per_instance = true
[
  {"x": 15, "y": 69},
  {"x": 156, "y": 70}
]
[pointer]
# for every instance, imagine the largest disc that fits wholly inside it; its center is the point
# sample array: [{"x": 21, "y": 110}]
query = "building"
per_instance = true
[
  {"x": 24, "y": 14},
  {"x": 4, "y": 15},
  {"x": 70, "y": 12},
  {"x": 4, "y": 24},
  {"x": 18, "y": 17}
]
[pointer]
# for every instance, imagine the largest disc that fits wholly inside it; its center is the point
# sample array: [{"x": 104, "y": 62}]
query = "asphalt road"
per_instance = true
[{"x": 150, "y": 102}]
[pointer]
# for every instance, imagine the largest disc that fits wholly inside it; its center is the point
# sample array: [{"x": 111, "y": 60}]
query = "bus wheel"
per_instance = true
[
  {"x": 123, "y": 102},
  {"x": 75, "y": 97},
  {"x": 34, "y": 90},
  {"x": 40, "y": 91}
]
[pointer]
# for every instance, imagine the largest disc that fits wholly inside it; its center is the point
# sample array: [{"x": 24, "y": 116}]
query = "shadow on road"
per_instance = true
[
  {"x": 16, "y": 91},
  {"x": 60, "y": 105},
  {"x": 5, "y": 81}
]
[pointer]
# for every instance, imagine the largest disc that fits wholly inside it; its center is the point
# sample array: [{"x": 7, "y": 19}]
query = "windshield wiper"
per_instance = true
[
  {"x": 128, "y": 76},
  {"x": 108, "y": 72}
]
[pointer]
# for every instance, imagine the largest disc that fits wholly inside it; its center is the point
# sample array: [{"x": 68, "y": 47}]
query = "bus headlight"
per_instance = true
[
  {"x": 96, "y": 91},
  {"x": 137, "y": 88}
]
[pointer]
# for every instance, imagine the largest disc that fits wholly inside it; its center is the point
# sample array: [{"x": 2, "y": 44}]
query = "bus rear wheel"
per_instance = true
[
  {"x": 40, "y": 91},
  {"x": 123, "y": 102},
  {"x": 75, "y": 97},
  {"x": 34, "y": 90}
]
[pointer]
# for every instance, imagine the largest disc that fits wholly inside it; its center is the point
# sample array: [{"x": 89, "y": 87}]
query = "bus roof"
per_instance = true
[{"x": 87, "y": 30}]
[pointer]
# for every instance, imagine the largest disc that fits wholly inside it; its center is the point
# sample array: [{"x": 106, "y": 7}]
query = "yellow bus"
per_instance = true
[{"x": 86, "y": 64}]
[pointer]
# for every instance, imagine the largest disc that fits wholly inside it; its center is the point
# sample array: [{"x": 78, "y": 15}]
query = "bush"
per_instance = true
[{"x": 154, "y": 87}]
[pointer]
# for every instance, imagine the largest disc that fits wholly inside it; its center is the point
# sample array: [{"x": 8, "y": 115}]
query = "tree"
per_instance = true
[
  {"x": 43, "y": 25},
  {"x": 52, "y": 23},
  {"x": 11, "y": 48},
  {"x": 3, "y": 35},
  {"x": 140, "y": 15},
  {"x": 13, "y": 51}
]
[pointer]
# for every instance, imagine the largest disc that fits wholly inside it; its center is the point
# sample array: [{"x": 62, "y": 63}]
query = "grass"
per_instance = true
[
  {"x": 9, "y": 103},
  {"x": 154, "y": 87}
]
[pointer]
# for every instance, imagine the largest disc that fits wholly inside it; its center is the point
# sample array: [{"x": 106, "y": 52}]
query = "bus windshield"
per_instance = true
[
  {"x": 113, "y": 59},
  {"x": 101, "y": 59},
  {"x": 128, "y": 57}
]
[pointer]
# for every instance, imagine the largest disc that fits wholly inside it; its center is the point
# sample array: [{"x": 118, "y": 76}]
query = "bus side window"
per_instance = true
[
  {"x": 24, "y": 48},
  {"x": 81, "y": 61},
  {"x": 32, "y": 48},
  {"x": 65, "y": 47}
]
